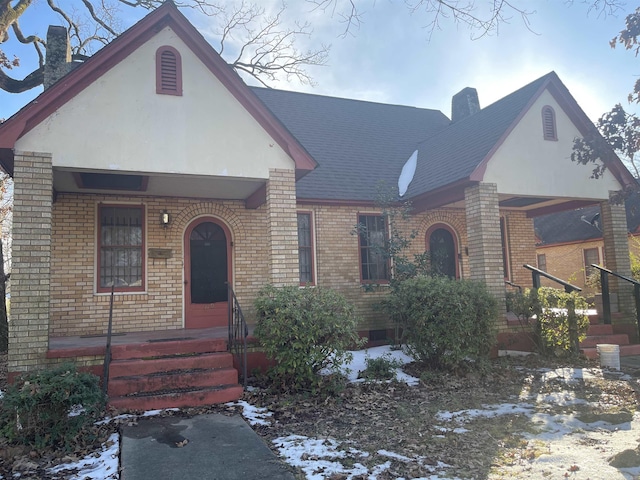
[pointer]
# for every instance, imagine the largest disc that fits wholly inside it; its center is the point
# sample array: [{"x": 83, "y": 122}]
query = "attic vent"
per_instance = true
[
  {"x": 168, "y": 71},
  {"x": 549, "y": 123}
]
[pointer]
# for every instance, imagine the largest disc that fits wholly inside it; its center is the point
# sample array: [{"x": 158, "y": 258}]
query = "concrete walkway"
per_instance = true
[{"x": 211, "y": 447}]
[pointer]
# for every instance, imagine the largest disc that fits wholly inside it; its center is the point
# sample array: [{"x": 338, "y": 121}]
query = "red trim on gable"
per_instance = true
[
  {"x": 566, "y": 101},
  {"x": 167, "y": 15},
  {"x": 478, "y": 174}
]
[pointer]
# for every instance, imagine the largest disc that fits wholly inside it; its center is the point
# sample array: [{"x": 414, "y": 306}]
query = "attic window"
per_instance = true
[
  {"x": 549, "y": 123},
  {"x": 168, "y": 71}
]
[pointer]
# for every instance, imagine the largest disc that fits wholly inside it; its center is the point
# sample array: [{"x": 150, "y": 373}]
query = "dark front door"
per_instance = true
[
  {"x": 442, "y": 250},
  {"x": 207, "y": 271}
]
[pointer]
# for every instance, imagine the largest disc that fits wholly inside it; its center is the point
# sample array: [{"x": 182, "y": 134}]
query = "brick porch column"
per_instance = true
[
  {"x": 616, "y": 257},
  {"x": 282, "y": 228},
  {"x": 31, "y": 261},
  {"x": 483, "y": 237},
  {"x": 522, "y": 247}
]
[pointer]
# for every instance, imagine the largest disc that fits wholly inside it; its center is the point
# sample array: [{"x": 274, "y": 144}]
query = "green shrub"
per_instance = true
[
  {"x": 380, "y": 368},
  {"x": 49, "y": 408},
  {"x": 552, "y": 326},
  {"x": 445, "y": 322},
  {"x": 305, "y": 330}
]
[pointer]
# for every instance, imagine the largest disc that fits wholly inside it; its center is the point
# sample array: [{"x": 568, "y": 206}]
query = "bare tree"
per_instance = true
[
  {"x": 267, "y": 48},
  {"x": 617, "y": 129}
]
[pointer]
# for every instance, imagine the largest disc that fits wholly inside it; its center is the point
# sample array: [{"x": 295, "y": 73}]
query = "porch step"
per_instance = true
[
  {"x": 179, "y": 399},
  {"x": 615, "y": 339},
  {"x": 173, "y": 380},
  {"x": 625, "y": 351},
  {"x": 167, "y": 347},
  {"x": 133, "y": 367},
  {"x": 600, "y": 329},
  {"x": 172, "y": 374}
]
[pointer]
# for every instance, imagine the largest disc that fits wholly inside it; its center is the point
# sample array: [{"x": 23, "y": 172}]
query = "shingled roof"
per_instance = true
[
  {"x": 582, "y": 224},
  {"x": 358, "y": 145},
  {"x": 456, "y": 151}
]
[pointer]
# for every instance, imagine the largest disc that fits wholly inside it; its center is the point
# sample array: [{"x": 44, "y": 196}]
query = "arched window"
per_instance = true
[
  {"x": 442, "y": 245},
  {"x": 549, "y": 123},
  {"x": 168, "y": 71}
]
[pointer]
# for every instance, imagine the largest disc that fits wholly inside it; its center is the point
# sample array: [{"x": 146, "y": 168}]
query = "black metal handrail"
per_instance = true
[
  {"x": 107, "y": 352},
  {"x": 572, "y": 319},
  {"x": 511, "y": 284},
  {"x": 238, "y": 333},
  {"x": 606, "y": 297},
  {"x": 536, "y": 273}
]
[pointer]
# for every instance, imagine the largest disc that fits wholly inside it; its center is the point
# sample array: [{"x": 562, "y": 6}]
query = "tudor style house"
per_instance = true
[{"x": 153, "y": 168}]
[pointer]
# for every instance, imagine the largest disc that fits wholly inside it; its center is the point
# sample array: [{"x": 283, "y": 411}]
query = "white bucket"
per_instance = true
[{"x": 609, "y": 355}]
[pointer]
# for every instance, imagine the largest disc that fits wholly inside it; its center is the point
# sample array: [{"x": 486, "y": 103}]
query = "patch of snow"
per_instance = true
[
  {"x": 124, "y": 416},
  {"x": 76, "y": 410},
  {"x": 316, "y": 457},
  {"x": 358, "y": 363},
  {"x": 254, "y": 415},
  {"x": 1, "y": 394},
  {"x": 153, "y": 413},
  {"x": 489, "y": 411},
  {"x": 102, "y": 465},
  {"x": 396, "y": 456},
  {"x": 408, "y": 171}
]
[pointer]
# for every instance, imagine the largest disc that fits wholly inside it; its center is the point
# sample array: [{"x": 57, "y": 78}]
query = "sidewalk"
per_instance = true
[{"x": 211, "y": 447}]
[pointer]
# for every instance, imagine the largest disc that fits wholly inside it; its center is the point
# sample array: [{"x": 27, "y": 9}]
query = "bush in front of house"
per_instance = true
[
  {"x": 447, "y": 324},
  {"x": 552, "y": 326},
  {"x": 51, "y": 407},
  {"x": 305, "y": 330}
]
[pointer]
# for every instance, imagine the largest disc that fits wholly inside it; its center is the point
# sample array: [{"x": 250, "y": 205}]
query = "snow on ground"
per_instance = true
[
  {"x": 102, "y": 465},
  {"x": 564, "y": 442},
  {"x": 358, "y": 363},
  {"x": 253, "y": 415}
]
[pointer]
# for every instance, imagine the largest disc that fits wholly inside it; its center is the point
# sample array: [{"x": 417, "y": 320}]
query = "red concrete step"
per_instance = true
[
  {"x": 616, "y": 339},
  {"x": 141, "y": 366},
  {"x": 625, "y": 351},
  {"x": 600, "y": 329},
  {"x": 164, "y": 348},
  {"x": 178, "y": 380},
  {"x": 191, "y": 398},
  {"x": 594, "y": 319}
]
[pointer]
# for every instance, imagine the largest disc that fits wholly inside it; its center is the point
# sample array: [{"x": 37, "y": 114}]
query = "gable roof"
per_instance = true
[
  {"x": 167, "y": 15},
  {"x": 583, "y": 224},
  {"x": 358, "y": 145}
]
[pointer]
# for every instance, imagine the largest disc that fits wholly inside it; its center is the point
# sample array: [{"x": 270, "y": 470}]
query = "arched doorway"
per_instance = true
[
  {"x": 207, "y": 271},
  {"x": 443, "y": 250}
]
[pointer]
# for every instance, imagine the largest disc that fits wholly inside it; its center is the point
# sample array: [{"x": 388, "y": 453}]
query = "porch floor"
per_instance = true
[{"x": 89, "y": 345}]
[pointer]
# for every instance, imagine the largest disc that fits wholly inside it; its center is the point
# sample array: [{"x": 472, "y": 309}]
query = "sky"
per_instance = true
[{"x": 394, "y": 57}]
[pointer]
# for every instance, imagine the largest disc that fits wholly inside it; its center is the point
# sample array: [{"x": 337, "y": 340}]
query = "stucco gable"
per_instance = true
[{"x": 52, "y": 101}]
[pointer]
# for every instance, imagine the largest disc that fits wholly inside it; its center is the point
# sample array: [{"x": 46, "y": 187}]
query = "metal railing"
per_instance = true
[
  {"x": 572, "y": 319},
  {"x": 606, "y": 297},
  {"x": 511, "y": 284},
  {"x": 107, "y": 352},
  {"x": 238, "y": 333}
]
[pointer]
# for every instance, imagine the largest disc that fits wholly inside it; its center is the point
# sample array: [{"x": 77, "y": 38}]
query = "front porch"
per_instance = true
[{"x": 159, "y": 369}]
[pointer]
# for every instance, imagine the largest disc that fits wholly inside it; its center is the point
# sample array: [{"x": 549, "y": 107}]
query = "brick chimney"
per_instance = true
[
  {"x": 58, "y": 60},
  {"x": 464, "y": 104}
]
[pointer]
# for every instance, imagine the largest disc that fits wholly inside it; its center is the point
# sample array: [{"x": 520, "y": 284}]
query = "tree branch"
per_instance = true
[{"x": 11, "y": 85}]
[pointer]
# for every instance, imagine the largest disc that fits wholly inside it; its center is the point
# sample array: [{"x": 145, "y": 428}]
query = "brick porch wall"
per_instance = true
[
  {"x": 75, "y": 307},
  {"x": 29, "y": 322}
]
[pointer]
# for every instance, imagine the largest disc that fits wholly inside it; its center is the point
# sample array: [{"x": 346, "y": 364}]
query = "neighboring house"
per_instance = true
[
  {"x": 569, "y": 242},
  {"x": 153, "y": 167}
]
